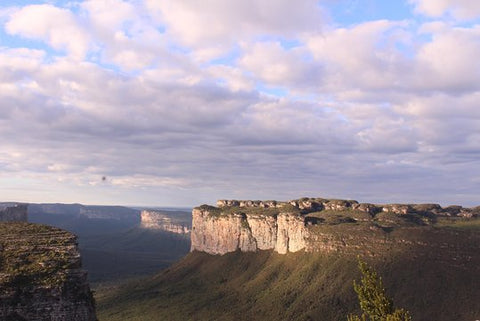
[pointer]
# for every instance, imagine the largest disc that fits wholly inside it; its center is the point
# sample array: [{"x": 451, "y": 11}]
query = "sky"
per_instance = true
[{"x": 180, "y": 103}]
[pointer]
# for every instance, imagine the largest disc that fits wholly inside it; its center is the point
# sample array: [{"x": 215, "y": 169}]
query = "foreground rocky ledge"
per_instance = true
[
  {"x": 317, "y": 224},
  {"x": 41, "y": 276}
]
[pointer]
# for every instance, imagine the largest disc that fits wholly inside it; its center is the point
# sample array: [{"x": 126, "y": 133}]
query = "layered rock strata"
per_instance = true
[
  {"x": 160, "y": 221},
  {"x": 41, "y": 276},
  {"x": 310, "y": 224}
]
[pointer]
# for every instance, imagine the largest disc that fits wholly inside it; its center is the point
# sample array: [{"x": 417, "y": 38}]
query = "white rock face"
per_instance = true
[
  {"x": 220, "y": 235},
  {"x": 291, "y": 233},
  {"x": 159, "y": 221},
  {"x": 264, "y": 231},
  {"x": 228, "y": 233}
]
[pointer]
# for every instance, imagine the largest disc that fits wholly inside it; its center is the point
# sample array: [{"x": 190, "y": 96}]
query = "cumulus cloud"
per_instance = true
[
  {"x": 231, "y": 22},
  {"x": 57, "y": 26},
  {"x": 459, "y": 9},
  {"x": 277, "y": 66},
  {"x": 445, "y": 63},
  {"x": 365, "y": 55},
  {"x": 125, "y": 36},
  {"x": 181, "y": 102}
]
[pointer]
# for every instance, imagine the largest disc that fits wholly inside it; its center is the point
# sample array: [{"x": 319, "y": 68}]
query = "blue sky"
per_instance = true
[{"x": 179, "y": 103}]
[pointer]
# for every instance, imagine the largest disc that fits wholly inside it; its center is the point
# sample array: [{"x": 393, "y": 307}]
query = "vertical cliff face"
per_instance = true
[
  {"x": 291, "y": 233},
  {"x": 156, "y": 220},
  {"x": 41, "y": 276},
  {"x": 263, "y": 230},
  {"x": 220, "y": 233},
  {"x": 14, "y": 213},
  {"x": 310, "y": 224}
]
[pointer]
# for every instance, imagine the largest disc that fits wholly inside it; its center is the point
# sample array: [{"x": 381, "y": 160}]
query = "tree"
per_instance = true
[{"x": 375, "y": 304}]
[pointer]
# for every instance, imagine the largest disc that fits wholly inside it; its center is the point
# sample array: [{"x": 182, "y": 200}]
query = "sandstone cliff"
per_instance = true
[
  {"x": 312, "y": 224},
  {"x": 41, "y": 276},
  {"x": 161, "y": 221},
  {"x": 13, "y": 213}
]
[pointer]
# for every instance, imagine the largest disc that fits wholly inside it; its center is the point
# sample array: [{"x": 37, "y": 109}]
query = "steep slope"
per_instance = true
[
  {"x": 41, "y": 276},
  {"x": 295, "y": 286},
  {"x": 432, "y": 270}
]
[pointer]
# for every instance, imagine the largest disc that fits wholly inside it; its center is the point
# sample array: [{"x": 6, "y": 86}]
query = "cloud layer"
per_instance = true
[{"x": 177, "y": 103}]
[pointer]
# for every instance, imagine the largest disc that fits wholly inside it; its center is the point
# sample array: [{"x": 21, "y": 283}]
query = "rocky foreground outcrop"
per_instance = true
[
  {"x": 311, "y": 224},
  {"x": 41, "y": 276}
]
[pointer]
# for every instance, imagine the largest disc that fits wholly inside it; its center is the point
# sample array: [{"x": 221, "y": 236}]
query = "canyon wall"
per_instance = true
[
  {"x": 312, "y": 224},
  {"x": 41, "y": 276},
  {"x": 220, "y": 234},
  {"x": 157, "y": 220},
  {"x": 14, "y": 213}
]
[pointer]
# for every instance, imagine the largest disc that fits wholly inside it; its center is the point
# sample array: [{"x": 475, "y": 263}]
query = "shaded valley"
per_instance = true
[{"x": 113, "y": 244}]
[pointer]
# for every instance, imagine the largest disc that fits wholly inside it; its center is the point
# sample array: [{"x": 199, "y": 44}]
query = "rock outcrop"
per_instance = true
[
  {"x": 41, "y": 276},
  {"x": 160, "y": 221},
  {"x": 309, "y": 224},
  {"x": 13, "y": 213},
  {"x": 215, "y": 233}
]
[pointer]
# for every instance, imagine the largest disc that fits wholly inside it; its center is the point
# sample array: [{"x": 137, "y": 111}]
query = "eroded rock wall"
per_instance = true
[
  {"x": 220, "y": 233},
  {"x": 159, "y": 221},
  {"x": 291, "y": 233},
  {"x": 14, "y": 213},
  {"x": 263, "y": 230},
  {"x": 309, "y": 224}
]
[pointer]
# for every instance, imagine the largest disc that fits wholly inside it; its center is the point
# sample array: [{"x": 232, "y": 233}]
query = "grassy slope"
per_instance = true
[{"x": 298, "y": 286}]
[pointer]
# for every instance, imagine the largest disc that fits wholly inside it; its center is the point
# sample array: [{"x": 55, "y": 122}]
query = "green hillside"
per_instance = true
[{"x": 432, "y": 285}]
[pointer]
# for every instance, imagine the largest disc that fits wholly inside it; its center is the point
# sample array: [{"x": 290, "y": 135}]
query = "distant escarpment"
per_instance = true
[
  {"x": 157, "y": 220},
  {"x": 13, "y": 212},
  {"x": 326, "y": 225},
  {"x": 41, "y": 276}
]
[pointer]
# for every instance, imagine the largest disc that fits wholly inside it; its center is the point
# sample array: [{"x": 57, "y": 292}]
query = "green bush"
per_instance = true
[{"x": 375, "y": 304}]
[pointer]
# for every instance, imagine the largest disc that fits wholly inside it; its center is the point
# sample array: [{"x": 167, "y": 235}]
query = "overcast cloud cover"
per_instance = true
[{"x": 174, "y": 102}]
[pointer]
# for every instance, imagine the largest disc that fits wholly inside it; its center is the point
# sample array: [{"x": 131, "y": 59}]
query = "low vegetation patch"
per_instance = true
[{"x": 33, "y": 254}]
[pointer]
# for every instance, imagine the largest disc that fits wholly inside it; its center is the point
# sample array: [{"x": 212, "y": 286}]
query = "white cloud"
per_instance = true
[
  {"x": 459, "y": 9},
  {"x": 277, "y": 66},
  {"x": 58, "y": 27},
  {"x": 125, "y": 36},
  {"x": 234, "y": 78},
  {"x": 364, "y": 56},
  {"x": 367, "y": 110},
  {"x": 448, "y": 61},
  {"x": 219, "y": 24}
]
